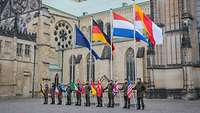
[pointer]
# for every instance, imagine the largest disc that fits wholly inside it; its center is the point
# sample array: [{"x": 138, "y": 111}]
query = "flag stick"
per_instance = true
[
  {"x": 134, "y": 40},
  {"x": 134, "y": 47},
  {"x": 73, "y": 46},
  {"x": 111, "y": 35},
  {"x": 72, "y": 60},
  {"x": 90, "y": 59}
]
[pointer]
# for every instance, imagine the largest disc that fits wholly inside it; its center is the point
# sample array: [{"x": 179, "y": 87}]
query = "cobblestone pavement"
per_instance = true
[{"x": 152, "y": 106}]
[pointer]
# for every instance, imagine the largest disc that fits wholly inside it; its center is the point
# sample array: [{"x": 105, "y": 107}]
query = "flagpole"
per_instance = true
[
  {"x": 73, "y": 46},
  {"x": 135, "y": 59},
  {"x": 90, "y": 69},
  {"x": 135, "y": 68},
  {"x": 72, "y": 57},
  {"x": 111, "y": 36}
]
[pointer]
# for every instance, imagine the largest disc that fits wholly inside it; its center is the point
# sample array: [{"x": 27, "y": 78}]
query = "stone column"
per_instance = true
[
  {"x": 150, "y": 72},
  {"x": 15, "y": 65},
  {"x": 186, "y": 51}
]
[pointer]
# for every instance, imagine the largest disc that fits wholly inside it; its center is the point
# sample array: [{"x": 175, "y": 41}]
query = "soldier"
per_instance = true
[
  {"x": 140, "y": 93},
  {"x": 69, "y": 93},
  {"x": 87, "y": 94},
  {"x": 126, "y": 99},
  {"x": 59, "y": 95},
  {"x": 78, "y": 95},
  {"x": 52, "y": 90},
  {"x": 99, "y": 94},
  {"x": 110, "y": 94},
  {"x": 45, "y": 93}
]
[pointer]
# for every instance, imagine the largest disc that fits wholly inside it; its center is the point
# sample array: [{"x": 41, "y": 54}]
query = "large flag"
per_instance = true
[
  {"x": 81, "y": 40},
  {"x": 41, "y": 89},
  {"x": 122, "y": 27},
  {"x": 129, "y": 91},
  {"x": 99, "y": 35},
  {"x": 153, "y": 31}
]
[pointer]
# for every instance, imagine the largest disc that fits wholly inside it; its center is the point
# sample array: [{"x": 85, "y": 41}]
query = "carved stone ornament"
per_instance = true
[{"x": 19, "y": 6}]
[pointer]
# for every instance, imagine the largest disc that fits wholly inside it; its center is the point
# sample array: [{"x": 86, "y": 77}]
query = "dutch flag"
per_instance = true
[{"x": 123, "y": 28}]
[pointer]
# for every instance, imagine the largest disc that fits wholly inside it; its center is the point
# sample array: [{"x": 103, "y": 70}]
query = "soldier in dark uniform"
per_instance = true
[
  {"x": 140, "y": 93},
  {"x": 59, "y": 95},
  {"x": 69, "y": 93},
  {"x": 52, "y": 90},
  {"x": 126, "y": 99},
  {"x": 46, "y": 92},
  {"x": 110, "y": 87},
  {"x": 78, "y": 95},
  {"x": 87, "y": 94}
]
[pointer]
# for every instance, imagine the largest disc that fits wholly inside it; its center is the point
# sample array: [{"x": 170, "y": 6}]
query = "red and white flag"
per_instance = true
[{"x": 129, "y": 91}]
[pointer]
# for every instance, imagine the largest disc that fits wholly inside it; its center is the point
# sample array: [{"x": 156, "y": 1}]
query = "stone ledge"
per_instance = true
[{"x": 7, "y": 84}]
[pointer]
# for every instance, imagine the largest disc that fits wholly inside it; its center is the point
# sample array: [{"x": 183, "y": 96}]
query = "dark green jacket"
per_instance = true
[
  {"x": 110, "y": 89},
  {"x": 87, "y": 90},
  {"x": 140, "y": 89},
  {"x": 125, "y": 88}
]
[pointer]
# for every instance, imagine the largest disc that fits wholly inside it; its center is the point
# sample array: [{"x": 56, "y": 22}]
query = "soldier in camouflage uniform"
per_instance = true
[
  {"x": 52, "y": 90},
  {"x": 69, "y": 93},
  {"x": 87, "y": 94},
  {"x": 110, "y": 87},
  {"x": 126, "y": 99},
  {"x": 140, "y": 93},
  {"x": 45, "y": 93},
  {"x": 78, "y": 95},
  {"x": 59, "y": 94}
]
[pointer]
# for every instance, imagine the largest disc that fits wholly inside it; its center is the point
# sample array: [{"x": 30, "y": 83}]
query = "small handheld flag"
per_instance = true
[
  {"x": 129, "y": 91},
  {"x": 93, "y": 89},
  {"x": 116, "y": 88}
]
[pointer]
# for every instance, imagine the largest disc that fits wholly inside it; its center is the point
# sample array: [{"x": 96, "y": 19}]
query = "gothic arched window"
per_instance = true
[
  {"x": 72, "y": 68},
  {"x": 100, "y": 23},
  {"x": 106, "y": 53},
  {"x": 108, "y": 29},
  {"x": 90, "y": 67},
  {"x": 130, "y": 64}
]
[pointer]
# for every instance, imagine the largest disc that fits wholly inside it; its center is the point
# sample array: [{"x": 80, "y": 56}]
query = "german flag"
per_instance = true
[{"x": 99, "y": 35}]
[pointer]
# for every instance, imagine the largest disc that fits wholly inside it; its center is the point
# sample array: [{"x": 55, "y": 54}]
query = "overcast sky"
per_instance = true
[{"x": 89, "y": 6}]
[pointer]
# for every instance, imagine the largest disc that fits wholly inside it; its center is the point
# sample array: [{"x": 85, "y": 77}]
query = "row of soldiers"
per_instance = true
[{"x": 113, "y": 89}]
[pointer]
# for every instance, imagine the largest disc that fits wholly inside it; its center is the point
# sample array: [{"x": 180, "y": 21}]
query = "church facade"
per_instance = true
[
  {"x": 162, "y": 69},
  {"x": 48, "y": 23}
]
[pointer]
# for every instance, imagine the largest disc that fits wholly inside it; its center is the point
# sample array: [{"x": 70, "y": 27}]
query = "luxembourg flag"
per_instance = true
[
  {"x": 144, "y": 22},
  {"x": 123, "y": 28}
]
